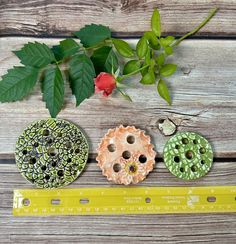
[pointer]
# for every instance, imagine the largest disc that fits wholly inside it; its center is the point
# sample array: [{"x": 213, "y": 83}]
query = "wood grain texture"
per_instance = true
[
  {"x": 61, "y": 18},
  {"x": 183, "y": 228},
  {"x": 203, "y": 91}
]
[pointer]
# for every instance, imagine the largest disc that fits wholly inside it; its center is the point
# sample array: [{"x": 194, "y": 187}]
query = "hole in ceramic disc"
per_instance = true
[
  {"x": 148, "y": 200},
  {"x": 68, "y": 144},
  {"x": 47, "y": 177},
  {"x": 116, "y": 168},
  {"x": 60, "y": 173},
  {"x": 77, "y": 150},
  {"x": 32, "y": 161},
  {"x": 126, "y": 154},
  {"x": 176, "y": 159},
  {"x": 142, "y": 159},
  {"x": 202, "y": 150},
  {"x": 54, "y": 164},
  {"x": 24, "y": 152},
  {"x": 193, "y": 168},
  {"x": 130, "y": 139},
  {"x": 189, "y": 155},
  {"x": 44, "y": 167},
  {"x": 132, "y": 168},
  {"x": 195, "y": 141},
  {"x": 185, "y": 141},
  {"x": 46, "y": 132},
  {"x": 69, "y": 160},
  {"x": 181, "y": 169},
  {"x": 50, "y": 141},
  {"x": 177, "y": 147},
  {"x": 52, "y": 152},
  {"x": 111, "y": 147},
  {"x": 36, "y": 144},
  {"x": 203, "y": 162},
  {"x": 26, "y": 202}
]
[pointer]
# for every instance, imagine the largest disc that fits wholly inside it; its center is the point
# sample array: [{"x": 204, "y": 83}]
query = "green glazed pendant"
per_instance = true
[
  {"x": 188, "y": 155},
  {"x": 51, "y": 153}
]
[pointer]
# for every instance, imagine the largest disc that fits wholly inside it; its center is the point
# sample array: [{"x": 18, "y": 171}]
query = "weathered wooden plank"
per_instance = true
[
  {"x": 203, "y": 91},
  {"x": 197, "y": 228},
  {"x": 60, "y": 18}
]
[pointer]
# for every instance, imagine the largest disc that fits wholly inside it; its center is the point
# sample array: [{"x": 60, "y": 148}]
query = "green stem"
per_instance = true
[
  {"x": 132, "y": 73},
  {"x": 210, "y": 15}
]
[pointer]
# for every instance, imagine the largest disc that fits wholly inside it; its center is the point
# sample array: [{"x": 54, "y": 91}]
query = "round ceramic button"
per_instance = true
[
  {"x": 188, "y": 155},
  {"x": 51, "y": 153}
]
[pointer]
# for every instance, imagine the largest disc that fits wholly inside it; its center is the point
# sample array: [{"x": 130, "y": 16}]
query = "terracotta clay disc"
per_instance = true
[
  {"x": 51, "y": 153},
  {"x": 188, "y": 155},
  {"x": 126, "y": 155}
]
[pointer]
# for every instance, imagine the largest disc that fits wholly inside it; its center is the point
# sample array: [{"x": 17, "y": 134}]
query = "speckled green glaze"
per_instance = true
[
  {"x": 188, "y": 155},
  {"x": 51, "y": 153}
]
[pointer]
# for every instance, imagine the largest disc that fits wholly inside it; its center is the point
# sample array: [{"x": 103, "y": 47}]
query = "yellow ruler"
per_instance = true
[{"x": 124, "y": 200}]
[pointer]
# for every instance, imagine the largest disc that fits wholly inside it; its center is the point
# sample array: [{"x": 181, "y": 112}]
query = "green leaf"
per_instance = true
[
  {"x": 149, "y": 78},
  {"x": 35, "y": 54},
  {"x": 168, "y": 50},
  {"x": 57, "y": 52},
  {"x": 167, "y": 41},
  {"x": 163, "y": 91},
  {"x": 65, "y": 49},
  {"x": 156, "y": 23},
  {"x": 147, "y": 61},
  {"x": 53, "y": 90},
  {"x": 123, "y": 48},
  {"x": 160, "y": 59},
  {"x": 168, "y": 69},
  {"x": 17, "y": 83},
  {"x": 152, "y": 40},
  {"x": 142, "y": 47},
  {"x": 104, "y": 59},
  {"x": 131, "y": 66},
  {"x": 69, "y": 47},
  {"x": 91, "y": 35},
  {"x": 81, "y": 77}
]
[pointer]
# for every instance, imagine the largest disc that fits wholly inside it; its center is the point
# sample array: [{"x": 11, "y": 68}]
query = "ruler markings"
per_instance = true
[{"x": 117, "y": 200}]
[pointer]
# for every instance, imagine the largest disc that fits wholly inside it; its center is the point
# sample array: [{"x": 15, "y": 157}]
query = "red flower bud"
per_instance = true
[{"x": 105, "y": 82}]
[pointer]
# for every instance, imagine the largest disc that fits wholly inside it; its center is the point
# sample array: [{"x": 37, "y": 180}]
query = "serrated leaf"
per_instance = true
[
  {"x": 152, "y": 40},
  {"x": 104, "y": 59},
  {"x": 167, "y": 41},
  {"x": 57, "y": 52},
  {"x": 35, "y": 54},
  {"x": 163, "y": 91},
  {"x": 142, "y": 47},
  {"x": 123, "y": 48},
  {"x": 53, "y": 90},
  {"x": 156, "y": 23},
  {"x": 168, "y": 50},
  {"x": 81, "y": 77},
  {"x": 65, "y": 49},
  {"x": 131, "y": 66},
  {"x": 160, "y": 59},
  {"x": 17, "y": 83},
  {"x": 149, "y": 78},
  {"x": 168, "y": 69},
  {"x": 91, "y": 35},
  {"x": 69, "y": 47}
]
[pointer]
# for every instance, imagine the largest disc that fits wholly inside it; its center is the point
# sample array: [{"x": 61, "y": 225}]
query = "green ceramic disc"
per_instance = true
[
  {"x": 51, "y": 153},
  {"x": 188, "y": 155}
]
